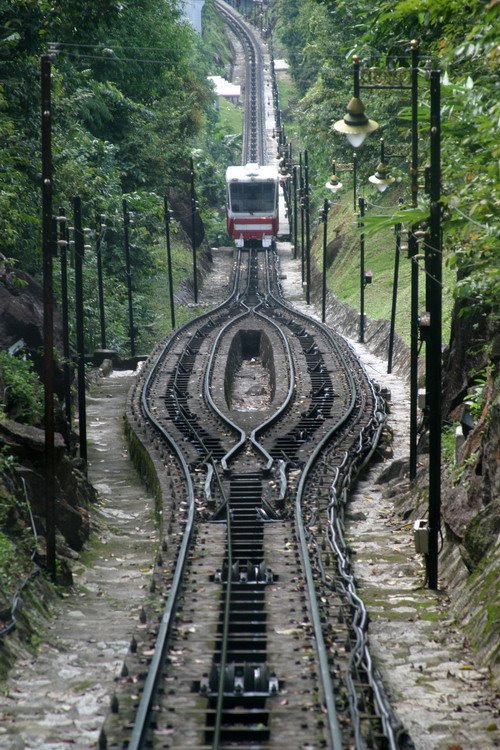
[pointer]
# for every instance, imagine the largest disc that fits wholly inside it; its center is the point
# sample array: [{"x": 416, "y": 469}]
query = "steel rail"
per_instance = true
[
  {"x": 321, "y": 649},
  {"x": 175, "y": 335},
  {"x": 251, "y": 151},
  {"x": 165, "y": 627},
  {"x": 150, "y": 687},
  {"x": 208, "y": 396},
  {"x": 157, "y": 661},
  {"x": 288, "y": 398},
  {"x": 291, "y": 369},
  {"x": 327, "y": 684},
  {"x": 361, "y": 653},
  {"x": 225, "y": 633}
]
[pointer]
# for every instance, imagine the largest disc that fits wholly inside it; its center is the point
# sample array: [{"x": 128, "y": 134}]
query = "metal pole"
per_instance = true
[
  {"x": 126, "y": 239},
  {"x": 302, "y": 222},
  {"x": 64, "y": 236},
  {"x": 295, "y": 215},
  {"x": 80, "y": 339},
  {"x": 100, "y": 285},
  {"x": 397, "y": 229},
  {"x": 166, "y": 212},
  {"x": 308, "y": 230},
  {"x": 326, "y": 206},
  {"x": 434, "y": 307},
  {"x": 355, "y": 178},
  {"x": 412, "y": 252},
  {"x": 414, "y": 122},
  {"x": 48, "y": 311},
  {"x": 361, "y": 273},
  {"x": 193, "y": 229}
]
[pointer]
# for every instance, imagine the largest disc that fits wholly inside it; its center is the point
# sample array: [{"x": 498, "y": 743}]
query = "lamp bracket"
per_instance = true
[
  {"x": 394, "y": 154},
  {"x": 397, "y": 78}
]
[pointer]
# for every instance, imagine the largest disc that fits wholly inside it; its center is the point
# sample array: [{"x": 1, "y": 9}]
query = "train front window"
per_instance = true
[{"x": 252, "y": 197}]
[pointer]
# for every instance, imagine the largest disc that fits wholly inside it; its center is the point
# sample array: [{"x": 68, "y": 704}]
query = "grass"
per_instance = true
[
  {"x": 230, "y": 115},
  {"x": 286, "y": 90},
  {"x": 159, "y": 299},
  {"x": 343, "y": 274}
]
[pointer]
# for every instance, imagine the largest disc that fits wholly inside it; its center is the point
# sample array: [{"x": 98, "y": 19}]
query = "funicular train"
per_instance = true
[{"x": 252, "y": 204}]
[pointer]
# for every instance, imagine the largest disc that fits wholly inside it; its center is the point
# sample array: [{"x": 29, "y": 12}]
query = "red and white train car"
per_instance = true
[{"x": 252, "y": 204}]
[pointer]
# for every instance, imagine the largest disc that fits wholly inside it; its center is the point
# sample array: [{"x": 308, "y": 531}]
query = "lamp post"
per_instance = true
[
  {"x": 355, "y": 124},
  {"x": 397, "y": 231},
  {"x": 48, "y": 309},
  {"x": 79, "y": 320},
  {"x": 295, "y": 185},
  {"x": 413, "y": 238},
  {"x": 193, "y": 228},
  {"x": 362, "y": 279},
  {"x": 433, "y": 269},
  {"x": 63, "y": 244},
  {"x": 334, "y": 185},
  {"x": 167, "y": 216},
  {"x": 381, "y": 179},
  {"x": 348, "y": 167},
  {"x": 100, "y": 229},
  {"x": 324, "y": 218},
  {"x": 128, "y": 273},
  {"x": 302, "y": 218},
  {"x": 308, "y": 228}
]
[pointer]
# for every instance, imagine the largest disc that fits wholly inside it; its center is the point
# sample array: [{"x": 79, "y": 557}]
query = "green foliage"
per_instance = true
[
  {"x": 461, "y": 40},
  {"x": 216, "y": 46},
  {"x": 127, "y": 106},
  {"x": 130, "y": 106},
  {"x": 16, "y": 539},
  {"x": 475, "y": 399},
  {"x": 448, "y": 443},
  {"x": 22, "y": 393},
  {"x": 6, "y": 458}
]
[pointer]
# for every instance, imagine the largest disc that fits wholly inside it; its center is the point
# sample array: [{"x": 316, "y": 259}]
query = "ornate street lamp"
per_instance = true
[
  {"x": 381, "y": 179},
  {"x": 355, "y": 124},
  {"x": 333, "y": 183}
]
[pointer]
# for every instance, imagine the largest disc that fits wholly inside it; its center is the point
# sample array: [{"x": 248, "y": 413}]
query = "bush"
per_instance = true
[{"x": 22, "y": 392}]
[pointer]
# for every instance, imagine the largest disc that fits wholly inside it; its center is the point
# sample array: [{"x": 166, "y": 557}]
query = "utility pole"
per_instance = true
[
  {"x": 361, "y": 273},
  {"x": 193, "y": 229},
  {"x": 128, "y": 272},
  {"x": 80, "y": 334},
  {"x": 166, "y": 211},
  {"x": 48, "y": 312},
  {"x": 433, "y": 267}
]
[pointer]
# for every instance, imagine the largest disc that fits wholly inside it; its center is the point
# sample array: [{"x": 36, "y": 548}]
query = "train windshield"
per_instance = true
[{"x": 252, "y": 197}]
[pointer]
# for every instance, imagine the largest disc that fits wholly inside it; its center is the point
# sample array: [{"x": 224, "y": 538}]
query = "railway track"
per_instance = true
[{"x": 255, "y": 636}]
